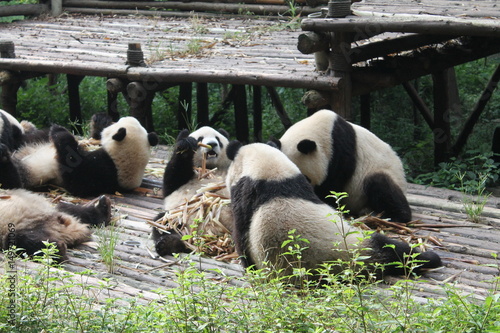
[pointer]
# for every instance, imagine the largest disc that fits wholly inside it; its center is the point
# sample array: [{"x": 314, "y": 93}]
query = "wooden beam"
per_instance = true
[
  {"x": 476, "y": 112},
  {"x": 419, "y": 103},
  {"x": 425, "y": 25},
  {"x": 278, "y": 106},
  {"x": 28, "y": 10}
]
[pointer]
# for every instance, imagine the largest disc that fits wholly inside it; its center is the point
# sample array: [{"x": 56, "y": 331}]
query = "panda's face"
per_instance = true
[{"x": 215, "y": 156}]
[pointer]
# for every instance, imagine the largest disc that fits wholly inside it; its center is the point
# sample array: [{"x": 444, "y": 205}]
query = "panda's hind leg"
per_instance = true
[
  {"x": 385, "y": 197},
  {"x": 167, "y": 244},
  {"x": 96, "y": 212},
  {"x": 389, "y": 252}
]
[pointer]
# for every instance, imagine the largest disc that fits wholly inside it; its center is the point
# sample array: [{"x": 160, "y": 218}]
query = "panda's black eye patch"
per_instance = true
[
  {"x": 200, "y": 139},
  {"x": 220, "y": 143}
]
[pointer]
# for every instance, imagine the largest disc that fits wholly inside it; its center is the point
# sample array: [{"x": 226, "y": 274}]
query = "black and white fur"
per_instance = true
[
  {"x": 28, "y": 219},
  {"x": 270, "y": 197},
  {"x": 339, "y": 156},
  {"x": 11, "y": 131},
  {"x": 181, "y": 181},
  {"x": 118, "y": 165}
]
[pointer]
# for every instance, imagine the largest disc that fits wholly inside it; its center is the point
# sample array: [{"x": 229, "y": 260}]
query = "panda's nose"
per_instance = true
[{"x": 212, "y": 144}]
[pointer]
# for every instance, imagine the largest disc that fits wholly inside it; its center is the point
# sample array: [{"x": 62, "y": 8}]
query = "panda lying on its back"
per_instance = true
[
  {"x": 28, "y": 219},
  {"x": 339, "y": 156},
  {"x": 116, "y": 166},
  {"x": 270, "y": 197},
  {"x": 180, "y": 181}
]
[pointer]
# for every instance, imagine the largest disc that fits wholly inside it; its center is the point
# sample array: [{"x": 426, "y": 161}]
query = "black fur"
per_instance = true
[
  {"x": 391, "y": 256},
  {"x": 180, "y": 168},
  {"x": 84, "y": 173},
  {"x": 385, "y": 197},
  {"x": 96, "y": 213},
  {"x": 98, "y": 122},
  {"x": 247, "y": 195},
  {"x": 343, "y": 162},
  {"x": 9, "y": 172},
  {"x": 166, "y": 244},
  {"x": 10, "y": 135}
]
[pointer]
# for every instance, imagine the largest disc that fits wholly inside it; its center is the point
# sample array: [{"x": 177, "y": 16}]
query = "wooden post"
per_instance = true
[
  {"x": 441, "y": 129},
  {"x": 278, "y": 106},
  {"x": 114, "y": 87},
  {"x": 257, "y": 113},
  {"x": 11, "y": 83},
  {"x": 75, "y": 110},
  {"x": 202, "y": 103},
  {"x": 184, "y": 107},
  {"x": 140, "y": 104},
  {"x": 365, "y": 101},
  {"x": 56, "y": 7},
  {"x": 241, "y": 113}
]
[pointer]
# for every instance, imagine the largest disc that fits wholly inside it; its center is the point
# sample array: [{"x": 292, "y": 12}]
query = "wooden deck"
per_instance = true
[{"x": 466, "y": 248}]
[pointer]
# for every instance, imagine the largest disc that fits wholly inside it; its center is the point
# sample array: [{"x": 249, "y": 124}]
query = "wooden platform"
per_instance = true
[{"x": 466, "y": 248}]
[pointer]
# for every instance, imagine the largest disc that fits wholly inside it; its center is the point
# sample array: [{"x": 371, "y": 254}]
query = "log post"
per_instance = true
[
  {"x": 280, "y": 109},
  {"x": 10, "y": 82},
  {"x": 316, "y": 100},
  {"x": 441, "y": 129},
  {"x": 241, "y": 113},
  {"x": 184, "y": 108},
  {"x": 257, "y": 113},
  {"x": 365, "y": 104},
  {"x": 340, "y": 61},
  {"x": 114, "y": 87},
  {"x": 140, "y": 104},
  {"x": 202, "y": 104},
  {"x": 75, "y": 109},
  {"x": 56, "y": 7}
]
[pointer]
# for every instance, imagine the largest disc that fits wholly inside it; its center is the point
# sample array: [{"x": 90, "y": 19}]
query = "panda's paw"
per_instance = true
[
  {"x": 61, "y": 137},
  {"x": 4, "y": 154},
  {"x": 186, "y": 146}
]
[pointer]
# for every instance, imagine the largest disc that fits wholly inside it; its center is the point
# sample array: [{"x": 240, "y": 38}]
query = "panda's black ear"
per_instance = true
[
  {"x": 153, "y": 139},
  {"x": 306, "y": 146},
  {"x": 120, "y": 134},
  {"x": 232, "y": 149},
  {"x": 182, "y": 134},
  {"x": 223, "y": 132},
  {"x": 273, "y": 142}
]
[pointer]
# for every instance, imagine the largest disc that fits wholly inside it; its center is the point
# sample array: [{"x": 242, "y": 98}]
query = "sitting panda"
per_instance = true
[
  {"x": 181, "y": 181},
  {"x": 28, "y": 219},
  {"x": 116, "y": 166},
  {"x": 339, "y": 156},
  {"x": 270, "y": 197}
]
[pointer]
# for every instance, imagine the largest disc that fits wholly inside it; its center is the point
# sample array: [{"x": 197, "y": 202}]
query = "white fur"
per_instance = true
[
  {"x": 270, "y": 225},
  {"x": 39, "y": 161},
  {"x": 372, "y": 155},
  {"x": 20, "y": 207},
  {"x": 13, "y": 121},
  {"x": 131, "y": 155}
]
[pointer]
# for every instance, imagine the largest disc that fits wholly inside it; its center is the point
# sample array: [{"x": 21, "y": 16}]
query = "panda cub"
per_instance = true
[
  {"x": 181, "y": 181},
  {"x": 339, "y": 156},
  {"x": 116, "y": 166},
  {"x": 28, "y": 219},
  {"x": 270, "y": 197}
]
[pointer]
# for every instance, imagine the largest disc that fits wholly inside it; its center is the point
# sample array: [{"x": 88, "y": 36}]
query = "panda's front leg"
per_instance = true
[
  {"x": 9, "y": 173},
  {"x": 180, "y": 168}
]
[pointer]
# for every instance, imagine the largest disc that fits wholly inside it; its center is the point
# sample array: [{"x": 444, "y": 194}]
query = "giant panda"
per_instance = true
[
  {"x": 336, "y": 155},
  {"x": 28, "y": 219},
  {"x": 116, "y": 166},
  {"x": 181, "y": 180},
  {"x": 270, "y": 197}
]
